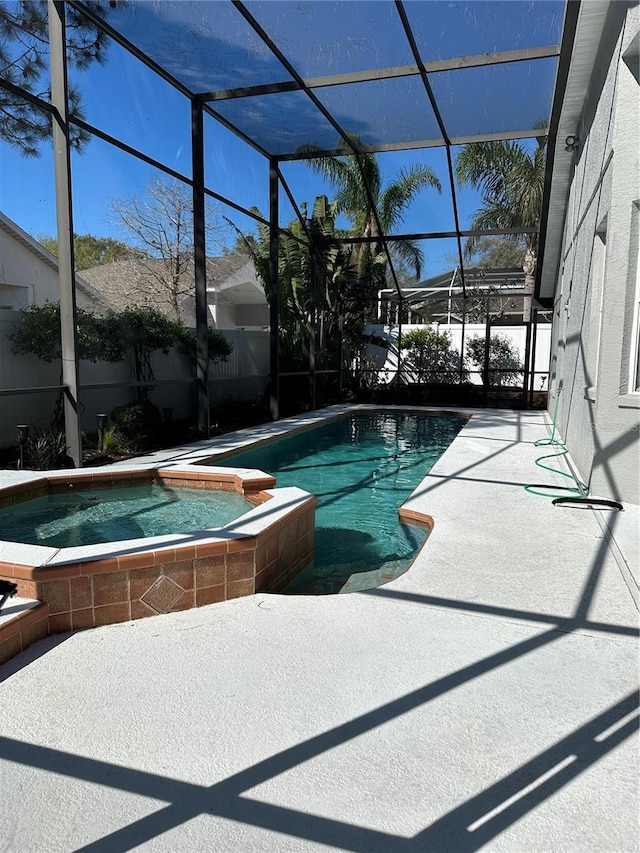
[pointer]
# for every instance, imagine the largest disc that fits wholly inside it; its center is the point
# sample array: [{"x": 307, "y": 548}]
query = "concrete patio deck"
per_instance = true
[{"x": 487, "y": 699}]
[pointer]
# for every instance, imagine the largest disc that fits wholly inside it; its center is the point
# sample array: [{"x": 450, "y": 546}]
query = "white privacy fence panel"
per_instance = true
[
  {"x": 386, "y": 359},
  {"x": 244, "y": 375},
  {"x": 250, "y": 355}
]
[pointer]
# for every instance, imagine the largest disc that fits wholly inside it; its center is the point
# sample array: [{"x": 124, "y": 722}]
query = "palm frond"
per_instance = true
[
  {"x": 402, "y": 191},
  {"x": 511, "y": 182},
  {"x": 410, "y": 253}
]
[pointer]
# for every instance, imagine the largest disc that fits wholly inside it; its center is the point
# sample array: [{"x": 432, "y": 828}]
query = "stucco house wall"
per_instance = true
[
  {"x": 29, "y": 273},
  {"x": 595, "y": 324}
]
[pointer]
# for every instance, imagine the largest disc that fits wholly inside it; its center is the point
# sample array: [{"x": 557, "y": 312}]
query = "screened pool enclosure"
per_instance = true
[{"x": 259, "y": 94}]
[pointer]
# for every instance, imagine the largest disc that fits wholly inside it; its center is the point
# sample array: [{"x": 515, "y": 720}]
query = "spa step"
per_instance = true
[{"x": 22, "y": 622}]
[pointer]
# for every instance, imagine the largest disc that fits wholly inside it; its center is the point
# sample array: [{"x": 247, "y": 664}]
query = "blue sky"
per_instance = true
[{"x": 125, "y": 99}]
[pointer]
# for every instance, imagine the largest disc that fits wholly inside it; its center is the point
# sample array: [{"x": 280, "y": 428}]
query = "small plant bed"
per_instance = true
[{"x": 165, "y": 434}]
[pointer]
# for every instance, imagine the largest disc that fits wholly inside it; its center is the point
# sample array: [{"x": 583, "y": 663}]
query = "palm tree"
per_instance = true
[
  {"x": 350, "y": 180},
  {"x": 511, "y": 182},
  {"x": 334, "y": 280}
]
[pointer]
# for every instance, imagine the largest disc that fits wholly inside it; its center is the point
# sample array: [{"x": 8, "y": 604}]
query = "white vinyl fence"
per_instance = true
[
  {"x": 386, "y": 359},
  {"x": 28, "y": 389}
]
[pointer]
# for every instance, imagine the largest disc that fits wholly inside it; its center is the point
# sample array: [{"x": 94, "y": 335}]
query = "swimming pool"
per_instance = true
[{"x": 361, "y": 467}]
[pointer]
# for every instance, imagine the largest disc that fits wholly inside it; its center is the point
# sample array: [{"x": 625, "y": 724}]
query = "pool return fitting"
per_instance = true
[{"x": 578, "y": 494}]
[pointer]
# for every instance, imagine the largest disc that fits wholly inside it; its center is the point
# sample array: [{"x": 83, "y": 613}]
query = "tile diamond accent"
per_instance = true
[{"x": 163, "y": 595}]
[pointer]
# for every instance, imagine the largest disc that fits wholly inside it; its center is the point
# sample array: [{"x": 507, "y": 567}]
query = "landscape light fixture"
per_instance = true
[
  {"x": 102, "y": 419},
  {"x": 23, "y": 437},
  {"x": 571, "y": 143}
]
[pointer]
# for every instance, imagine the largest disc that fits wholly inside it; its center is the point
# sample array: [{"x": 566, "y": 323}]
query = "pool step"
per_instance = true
[
  {"x": 389, "y": 571},
  {"x": 22, "y": 622}
]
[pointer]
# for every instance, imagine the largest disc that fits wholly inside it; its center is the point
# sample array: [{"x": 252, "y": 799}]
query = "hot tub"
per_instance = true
[{"x": 87, "y": 585}]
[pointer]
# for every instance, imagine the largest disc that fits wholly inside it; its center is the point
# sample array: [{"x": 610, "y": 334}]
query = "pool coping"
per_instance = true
[
  {"x": 256, "y": 486},
  {"x": 221, "y": 446}
]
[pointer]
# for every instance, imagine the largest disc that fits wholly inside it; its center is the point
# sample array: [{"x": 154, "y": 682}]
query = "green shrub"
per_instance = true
[
  {"x": 114, "y": 443},
  {"x": 218, "y": 347},
  {"x": 429, "y": 357},
  {"x": 136, "y": 423},
  {"x": 504, "y": 365},
  {"x": 45, "y": 450}
]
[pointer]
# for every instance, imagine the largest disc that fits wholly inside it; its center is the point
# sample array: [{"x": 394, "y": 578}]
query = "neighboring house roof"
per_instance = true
[
  {"x": 126, "y": 283},
  {"x": 44, "y": 256},
  {"x": 231, "y": 280}
]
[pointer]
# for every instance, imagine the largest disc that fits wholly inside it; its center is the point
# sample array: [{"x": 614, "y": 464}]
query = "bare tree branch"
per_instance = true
[{"x": 160, "y": 226}]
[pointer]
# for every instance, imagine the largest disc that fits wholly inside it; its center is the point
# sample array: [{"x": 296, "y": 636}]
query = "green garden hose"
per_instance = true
[{"x": 580, "y": 489}]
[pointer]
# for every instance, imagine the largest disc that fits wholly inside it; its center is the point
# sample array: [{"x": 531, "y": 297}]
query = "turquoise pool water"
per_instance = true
[
  {"x": 90, "y": 517},
  {"x": 361, "y": 468}
]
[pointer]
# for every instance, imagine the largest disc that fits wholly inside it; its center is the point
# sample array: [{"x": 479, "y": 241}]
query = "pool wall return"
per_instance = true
[{"x": 87, "y": 586}]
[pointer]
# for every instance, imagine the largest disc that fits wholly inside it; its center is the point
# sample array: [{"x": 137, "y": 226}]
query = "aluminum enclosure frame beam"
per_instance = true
[
  {"x": 64, "y": 218},
  {"x": 436, "y": 111},
  {"x": 566, "y": 50},
  {"x": 200, "y": 271},
  {"x": 393, "y": 72},
  {"x": 204, "y": 103},
  {"x": 435, "y": 235},
  {"x": 418, "y": 144},
  {"x": 143, "y": 57},
  {"x": 274, "y": 300}
]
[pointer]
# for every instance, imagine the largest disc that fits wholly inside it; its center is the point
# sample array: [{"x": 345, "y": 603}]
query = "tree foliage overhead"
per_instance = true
[
  {"x": 511, "y": 183},
  {"x": 24, "y": 62},
  {"x": 495, "y": 252},
  {"x": 91, "y": 251}
]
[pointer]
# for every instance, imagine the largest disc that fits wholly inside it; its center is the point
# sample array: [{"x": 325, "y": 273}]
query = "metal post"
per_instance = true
[
  {"x": 102, "y": 419},
  {"x": 313, "y": 331},
  {"x": 64, "y": 217},
  {"x": 534, "y": 343},
  {"x": 341, "y": 351},
  {"x": 399, "y": 349},
  {"x": 23, "y": 438},
  {"x": 485, "y": 364},
  {"x": 200, "y": 269},
  {"x": 274, "y": 360},
  {"x": 464, "y": 323},
  {"x": 527, "y": 362}
]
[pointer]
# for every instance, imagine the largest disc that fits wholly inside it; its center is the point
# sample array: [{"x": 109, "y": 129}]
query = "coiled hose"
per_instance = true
[{"x": 579, "y": 489}]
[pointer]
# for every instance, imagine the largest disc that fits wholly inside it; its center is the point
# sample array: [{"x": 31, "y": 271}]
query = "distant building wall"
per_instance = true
[
  {"x": 229, "y": 316},
  {"x": 24, "y": 274},
  {"x": 594, "y": 367},
  {"x": 28, "y": 273},
  {"x": 252, "y": 315}
]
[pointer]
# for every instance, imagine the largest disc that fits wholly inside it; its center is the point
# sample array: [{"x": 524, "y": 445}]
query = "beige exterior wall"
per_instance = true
[{"x": 595, "y": 328}]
